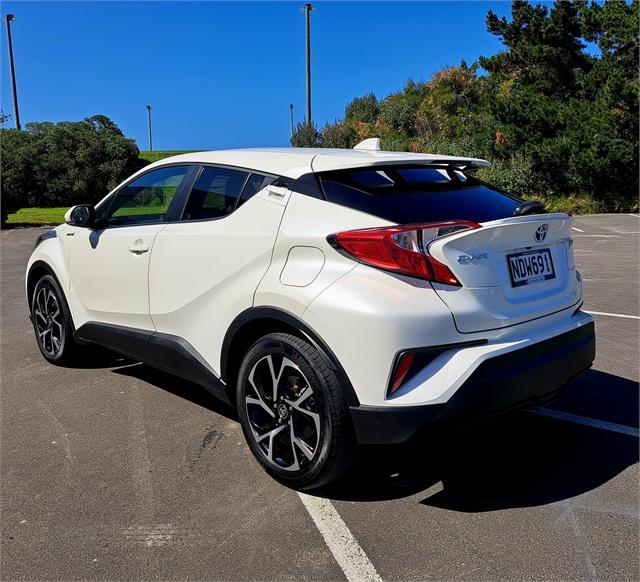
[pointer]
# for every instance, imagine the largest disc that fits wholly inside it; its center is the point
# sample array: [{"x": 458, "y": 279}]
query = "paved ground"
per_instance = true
[{"x": 121, "y": 472}]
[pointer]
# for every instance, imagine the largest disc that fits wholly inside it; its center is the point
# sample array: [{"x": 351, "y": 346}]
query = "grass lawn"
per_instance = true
[
  {"x": 37, "y": 216},
  {"x": 55, "y": 216},
  {"x": 155, "y": 155}
]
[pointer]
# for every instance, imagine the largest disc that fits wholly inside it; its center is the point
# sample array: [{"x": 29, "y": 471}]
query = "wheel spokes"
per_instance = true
[
  {"x": 270, "y": 435},
  {"x": 288, "y": 404},
  {"x": 41, "y": 301},
  {"x": 296, "y": 405},
  {"x": 275, "y": 380},
  {"x": 48, "y": 321},
  {"x": 38, "y": 313},
  {"x": 292, "y": 437},
  {"x": 307, "y": 451},
  {"x": 259, "y": 401}
]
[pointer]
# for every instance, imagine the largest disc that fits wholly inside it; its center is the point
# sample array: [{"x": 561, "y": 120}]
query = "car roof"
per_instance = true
[{"x": 295, "y": 162}]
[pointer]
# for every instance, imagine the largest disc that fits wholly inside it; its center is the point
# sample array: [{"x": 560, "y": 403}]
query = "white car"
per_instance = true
[{"x": 334, "y": 297}]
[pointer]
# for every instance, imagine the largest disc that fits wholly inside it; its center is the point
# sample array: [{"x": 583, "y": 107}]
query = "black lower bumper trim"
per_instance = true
[{"x": 530, "y": 376}]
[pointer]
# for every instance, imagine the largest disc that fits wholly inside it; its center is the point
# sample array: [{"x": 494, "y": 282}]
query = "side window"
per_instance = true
[
  {"x": 255, "y": 183},
  {"x": 215, "y": 193},
  {"x": 146, "y": 199}
]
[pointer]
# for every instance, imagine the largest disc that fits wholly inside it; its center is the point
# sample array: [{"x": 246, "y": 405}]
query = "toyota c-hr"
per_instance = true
[{"x": 334, "y": 297}]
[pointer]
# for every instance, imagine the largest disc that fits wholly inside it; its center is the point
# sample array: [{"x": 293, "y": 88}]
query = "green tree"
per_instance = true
[
  {"x": 306, "y": 135},
  {"x": 558, "y": 119},
  {"x": 364, "y": 109},
  {"x": 573, "y": 114},
  {"x": 398, "y": 110},
  {"x": 55, "y": 164},
  {"x": 339, "y": 135}
]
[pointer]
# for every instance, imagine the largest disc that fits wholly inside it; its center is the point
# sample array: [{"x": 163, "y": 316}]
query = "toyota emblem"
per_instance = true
[{"x": 541, "y": 233}]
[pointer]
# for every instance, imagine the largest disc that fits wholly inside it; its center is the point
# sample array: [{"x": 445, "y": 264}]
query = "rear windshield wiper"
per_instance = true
[{"x": 531, "y": 207}]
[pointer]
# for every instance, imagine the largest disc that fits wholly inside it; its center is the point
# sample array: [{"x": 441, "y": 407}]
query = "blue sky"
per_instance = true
[{"x": 222, "y": 74}]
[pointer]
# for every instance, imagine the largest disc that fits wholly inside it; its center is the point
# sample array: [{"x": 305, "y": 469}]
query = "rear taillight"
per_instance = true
[{"x": 402, "y": 249}]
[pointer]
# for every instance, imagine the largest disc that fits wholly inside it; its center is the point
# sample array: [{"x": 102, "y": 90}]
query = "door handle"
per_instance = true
[{"x": 139, "y": 247}]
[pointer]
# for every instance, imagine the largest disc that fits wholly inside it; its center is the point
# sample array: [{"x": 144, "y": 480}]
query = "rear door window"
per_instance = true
[
  {"x": 408, "y": 194},
  {"x": 215, "y": 193}
]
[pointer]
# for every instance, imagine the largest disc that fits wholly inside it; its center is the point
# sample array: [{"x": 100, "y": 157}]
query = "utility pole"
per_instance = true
[
  {"x": 149, "y": 117},
  {"x": 307, "y": 16},
  {"x": 291, "y": 111},
  {"x": 16, "y": 113}
]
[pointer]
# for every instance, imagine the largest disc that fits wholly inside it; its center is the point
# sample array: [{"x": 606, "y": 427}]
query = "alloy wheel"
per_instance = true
[
  {"x": 48, "y": 321},
  {"x": 283, "y": 413}
]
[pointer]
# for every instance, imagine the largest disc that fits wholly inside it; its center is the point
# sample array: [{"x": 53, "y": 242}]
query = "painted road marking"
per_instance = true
[
  {"x": 612, "y": 314},
  {"x": 592, "y": 422},
  {"x": 351, "y": 558},
  {"x": 578, "y": 229}
]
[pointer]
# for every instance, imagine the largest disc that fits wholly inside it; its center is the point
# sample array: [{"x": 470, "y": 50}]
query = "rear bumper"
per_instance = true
[{"x": 529, "y": 376}]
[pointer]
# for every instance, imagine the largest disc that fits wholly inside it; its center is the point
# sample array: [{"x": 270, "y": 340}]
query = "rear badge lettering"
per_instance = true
[{"x": 472, "y": 259}]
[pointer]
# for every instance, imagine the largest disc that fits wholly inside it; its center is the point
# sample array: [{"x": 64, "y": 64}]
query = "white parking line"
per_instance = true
[
  {"x": 612, "y": 314},
  {"x": 592, "y": 422},
  {"x": 351, "y": 558},
  {"x": 578, "y": 229}
]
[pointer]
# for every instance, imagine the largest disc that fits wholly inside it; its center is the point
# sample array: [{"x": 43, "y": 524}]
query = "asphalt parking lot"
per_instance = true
[{"x": 116, "y": 471}]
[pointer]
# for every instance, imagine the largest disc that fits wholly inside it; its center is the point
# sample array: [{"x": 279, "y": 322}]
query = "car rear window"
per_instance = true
[{"x": 409, "y": 194}]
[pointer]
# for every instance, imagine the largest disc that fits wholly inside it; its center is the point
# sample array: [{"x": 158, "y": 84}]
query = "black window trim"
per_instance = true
[{"x": 307, "y": 184}]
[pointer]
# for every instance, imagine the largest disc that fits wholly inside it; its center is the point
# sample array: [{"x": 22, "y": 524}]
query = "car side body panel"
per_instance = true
[
  {"x": 109, "y": 277},
  {"x": 51, "y": 255},
  {"x": 304, "y": 264},
  {"x": 204, "y": 273}
]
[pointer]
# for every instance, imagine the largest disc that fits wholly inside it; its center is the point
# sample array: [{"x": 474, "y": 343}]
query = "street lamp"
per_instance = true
[
  {"x": 10, "y": 18},
  {"x": 291, "y": 111},
  {"x": 307, "y": 17},
  {"x": 149, "y": 119}
]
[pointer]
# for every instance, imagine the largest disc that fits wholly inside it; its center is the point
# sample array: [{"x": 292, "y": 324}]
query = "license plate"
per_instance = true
[{"x": 530, "y": 267}]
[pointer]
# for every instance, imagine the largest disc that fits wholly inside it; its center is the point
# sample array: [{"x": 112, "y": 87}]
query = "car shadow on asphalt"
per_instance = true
[
  {"x": 518, "y": 460},
  {"x": 183, "y": 388},
  {"x": 96, "y": 357}
]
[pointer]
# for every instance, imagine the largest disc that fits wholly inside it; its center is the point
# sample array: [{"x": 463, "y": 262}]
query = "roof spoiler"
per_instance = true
[{"x": 372, "y": 144}]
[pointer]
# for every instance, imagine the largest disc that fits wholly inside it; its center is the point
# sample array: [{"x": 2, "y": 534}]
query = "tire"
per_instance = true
[
  {"x": 304, "y": 438},
  {"x": 52, "y": 323}
]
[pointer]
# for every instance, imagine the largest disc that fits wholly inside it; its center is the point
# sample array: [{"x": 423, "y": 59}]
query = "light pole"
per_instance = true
[
  {"x": 16, "y": 113},
  {"x": 291, "y": 111},
  {"x": 307, "y": 17},
  {"x": 149, "y": 118}
]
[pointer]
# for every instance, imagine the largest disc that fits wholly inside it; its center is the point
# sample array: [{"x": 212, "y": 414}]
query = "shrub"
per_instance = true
[
  {"x": 306, "y": 135},
  {"x": 397, "y": 111},
  {"x": 364, "y": 109},
  {"x": 339, "y": 135},
  {"x": 67, "y": 163},
  {"x": 515, "y": 176}
]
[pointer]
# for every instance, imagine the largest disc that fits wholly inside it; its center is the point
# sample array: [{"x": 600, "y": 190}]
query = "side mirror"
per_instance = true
[{"x": 82, "y": 215}]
